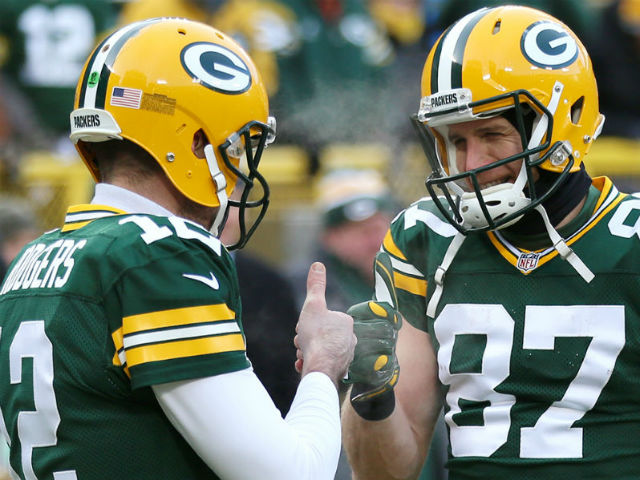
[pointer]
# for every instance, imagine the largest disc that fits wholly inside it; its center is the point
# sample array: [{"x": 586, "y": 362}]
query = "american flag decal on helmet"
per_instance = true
[
  {"x": 126, "y": 97},
  {"x": 528, "y": 261}
]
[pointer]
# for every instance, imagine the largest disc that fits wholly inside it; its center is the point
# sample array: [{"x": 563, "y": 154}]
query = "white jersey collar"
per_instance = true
[{"x": 126, "y": 200}]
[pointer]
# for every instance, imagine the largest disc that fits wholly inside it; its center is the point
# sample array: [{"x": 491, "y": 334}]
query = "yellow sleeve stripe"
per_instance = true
[
  {"x": 391, "y": 247},
  {"x": 118, "y": 342},
  {"x": 119, "y": 358},
  {"x": 184, "y": 349},
  {"x": 117, "y": 339},
  {"x": 176, "y": 318},
  {"x": 417, "y": 286}
]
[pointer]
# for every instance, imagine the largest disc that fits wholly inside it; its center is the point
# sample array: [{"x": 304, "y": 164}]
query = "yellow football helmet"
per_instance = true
[
  {"x": 516, "y": 61},
  {"x": 159, "y": 81}
]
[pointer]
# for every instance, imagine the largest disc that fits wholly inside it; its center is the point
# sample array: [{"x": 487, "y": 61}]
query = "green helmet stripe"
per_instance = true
[
  {"x": 87, "y": 73},
  {"x": 447, "y": 73},
  {"x": 436, "y": 62},
  {"x": 96, "y": 78},
  {"x": 101, "y": 93}
]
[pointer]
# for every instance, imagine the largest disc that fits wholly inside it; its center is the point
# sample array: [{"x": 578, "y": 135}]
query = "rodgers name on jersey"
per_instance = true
[
  {"x": 537, "y": 367},
  {"x": 91, "y": 316},
  {"x": 43, "y": 266}
]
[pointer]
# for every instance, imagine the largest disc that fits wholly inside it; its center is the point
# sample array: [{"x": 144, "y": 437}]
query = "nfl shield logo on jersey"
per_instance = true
[{"x": 528, "y": 261}]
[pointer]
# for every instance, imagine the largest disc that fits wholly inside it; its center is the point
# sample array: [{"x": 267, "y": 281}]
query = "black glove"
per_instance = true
[{"x": 374, "y": 370}]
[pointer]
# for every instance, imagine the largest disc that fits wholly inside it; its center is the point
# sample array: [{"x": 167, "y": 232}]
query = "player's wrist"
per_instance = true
[
  {"x": 326, "y": 367},
  {"x": 374, "y": 408}
]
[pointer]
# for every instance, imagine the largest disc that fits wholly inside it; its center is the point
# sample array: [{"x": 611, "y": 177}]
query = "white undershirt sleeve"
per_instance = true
[{"x": 233, "y": 425}]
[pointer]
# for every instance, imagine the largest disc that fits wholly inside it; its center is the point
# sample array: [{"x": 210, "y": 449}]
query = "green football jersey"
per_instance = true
[
  {"x": 539, "y": 370},
  {"x": 91, "y": 316}
]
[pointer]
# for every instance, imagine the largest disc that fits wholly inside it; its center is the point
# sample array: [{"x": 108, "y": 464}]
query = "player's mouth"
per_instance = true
[{"x": 492, "y": 183}]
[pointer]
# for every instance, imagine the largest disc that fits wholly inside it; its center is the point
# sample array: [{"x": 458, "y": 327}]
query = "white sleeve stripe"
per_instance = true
[
  {"x": 406, "y": 268},
  {"x": 138, "y": 339}
]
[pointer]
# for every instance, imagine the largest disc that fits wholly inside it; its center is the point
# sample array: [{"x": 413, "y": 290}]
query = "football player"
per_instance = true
[
  {"x": 122, "y": 353},
  {"x": 517, "y": 278}
]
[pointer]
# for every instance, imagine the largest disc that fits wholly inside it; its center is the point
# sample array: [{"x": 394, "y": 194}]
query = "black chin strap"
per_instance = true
[{"x": 565, "y": 199}]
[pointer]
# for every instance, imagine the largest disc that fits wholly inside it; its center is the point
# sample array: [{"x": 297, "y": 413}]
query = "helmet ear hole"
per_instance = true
[
  {"x": 576, "y": 110},
  {"x": 200, "y": 141}
]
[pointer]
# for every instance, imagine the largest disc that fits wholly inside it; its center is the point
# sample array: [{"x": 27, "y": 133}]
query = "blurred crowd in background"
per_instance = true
[{"x": 343, "y": 78}]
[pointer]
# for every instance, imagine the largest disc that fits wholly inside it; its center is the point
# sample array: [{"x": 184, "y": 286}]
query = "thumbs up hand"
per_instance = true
[
  {"x": 325, "y": 339},
  {"x": 374, "y": 370}
]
